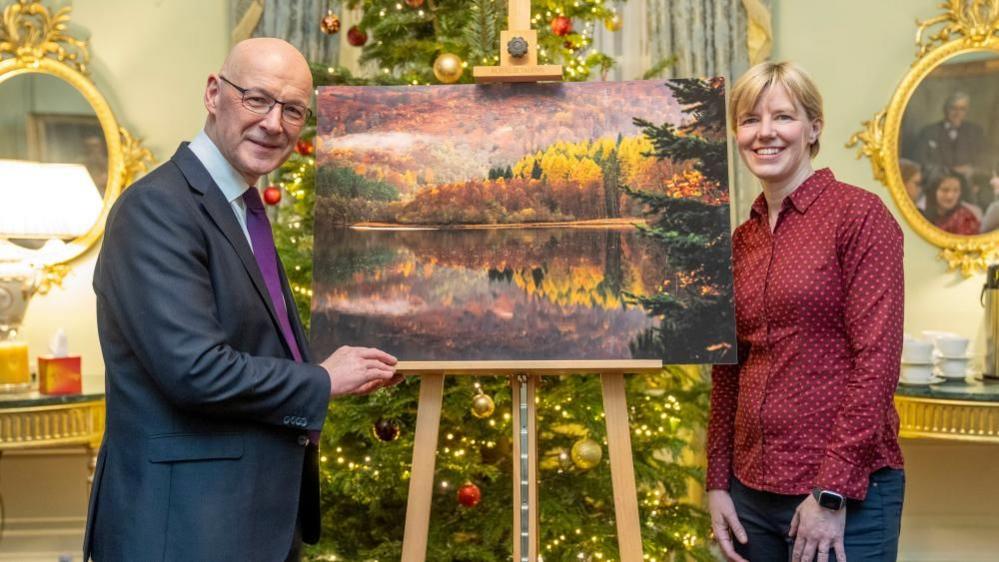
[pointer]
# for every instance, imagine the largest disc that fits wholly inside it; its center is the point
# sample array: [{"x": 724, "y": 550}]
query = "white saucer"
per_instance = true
[
  {"x": 966, "y": 356},
  {"x": 933, "y": 380}
]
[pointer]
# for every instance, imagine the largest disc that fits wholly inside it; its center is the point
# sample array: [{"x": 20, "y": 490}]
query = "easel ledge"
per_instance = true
[{"x": 567, "y": 367}]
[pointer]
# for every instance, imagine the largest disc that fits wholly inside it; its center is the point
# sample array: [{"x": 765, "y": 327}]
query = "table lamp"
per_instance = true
[{"x": 43, "y": 205}]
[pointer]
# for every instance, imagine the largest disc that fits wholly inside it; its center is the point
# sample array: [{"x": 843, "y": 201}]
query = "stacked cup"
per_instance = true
[
  {"x": 952, "y": 356},
  {"x": 917, "y": 361}
]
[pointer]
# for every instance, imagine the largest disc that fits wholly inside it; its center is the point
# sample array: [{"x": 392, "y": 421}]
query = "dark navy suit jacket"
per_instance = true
[{"x": 203, "y": 457}]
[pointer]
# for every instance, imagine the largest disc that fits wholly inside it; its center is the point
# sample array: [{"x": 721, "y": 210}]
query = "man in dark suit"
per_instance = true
[
  {"x": 213, "y": 407},
  {"x": 954, "y": 142}
]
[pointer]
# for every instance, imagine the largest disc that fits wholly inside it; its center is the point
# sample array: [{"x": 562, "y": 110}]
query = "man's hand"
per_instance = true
[
  {"x": 815, "y": 530},
  {"x": 725, "y": 523},
  {"x": 360, "y": 370}
]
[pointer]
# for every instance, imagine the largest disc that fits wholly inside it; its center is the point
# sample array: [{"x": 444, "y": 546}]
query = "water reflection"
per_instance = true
[{"x": 491, "y": 294}]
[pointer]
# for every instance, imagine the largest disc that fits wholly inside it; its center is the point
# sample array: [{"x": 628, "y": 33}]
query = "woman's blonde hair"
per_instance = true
[{"x": 795, "y": 81}]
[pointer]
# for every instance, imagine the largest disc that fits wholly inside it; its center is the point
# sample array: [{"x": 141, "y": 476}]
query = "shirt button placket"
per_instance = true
[{"x": 772, "y": 238}]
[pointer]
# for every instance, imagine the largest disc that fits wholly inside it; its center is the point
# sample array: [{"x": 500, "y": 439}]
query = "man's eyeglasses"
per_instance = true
[{"x": 261, "y": 103}]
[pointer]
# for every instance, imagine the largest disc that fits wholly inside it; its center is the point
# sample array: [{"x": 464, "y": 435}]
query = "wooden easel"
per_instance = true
[
  {"x": 519, "y": 63},
  {"x": 518, "y": 51},
  {"x": 523, "y": 379}
]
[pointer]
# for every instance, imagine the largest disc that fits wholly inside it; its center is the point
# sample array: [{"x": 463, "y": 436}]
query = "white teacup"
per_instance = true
[
  {"x": 953, "y": 368},
  {"x": 952, "y": 346},
  {"x": 917, "y": 373},
  {"x": 932, "y": 335},
  {"x": 917, "y": 351}
]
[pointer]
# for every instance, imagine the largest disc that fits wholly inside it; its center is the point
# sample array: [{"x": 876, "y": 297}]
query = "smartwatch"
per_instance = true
[{"x": 829, "y": 499}]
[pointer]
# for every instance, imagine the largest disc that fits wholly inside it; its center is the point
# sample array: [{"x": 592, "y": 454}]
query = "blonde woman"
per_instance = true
[{"x": 803, "y": 455}]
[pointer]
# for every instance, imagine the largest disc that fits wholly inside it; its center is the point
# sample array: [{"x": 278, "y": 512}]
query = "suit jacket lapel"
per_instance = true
[{"x": 220, "y": 211}]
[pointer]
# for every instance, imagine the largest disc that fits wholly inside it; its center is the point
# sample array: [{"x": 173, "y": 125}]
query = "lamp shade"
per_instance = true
[{"x": 39, "y": 200}]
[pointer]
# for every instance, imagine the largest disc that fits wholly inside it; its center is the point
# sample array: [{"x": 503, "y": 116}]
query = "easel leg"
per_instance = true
[
  {"x": 629, "y": 533},
  {"x": 421, "y": 482},
  {"x": 525, "y": 468}
]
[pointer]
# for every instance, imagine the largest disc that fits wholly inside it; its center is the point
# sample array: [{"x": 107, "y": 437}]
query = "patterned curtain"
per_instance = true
[
  {"x": 712, "y": 38},
  {"x": 295, "y": 21}
]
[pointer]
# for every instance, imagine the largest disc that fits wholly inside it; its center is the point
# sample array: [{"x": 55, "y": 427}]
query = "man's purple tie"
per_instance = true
[{"x": 265, "y": 253}]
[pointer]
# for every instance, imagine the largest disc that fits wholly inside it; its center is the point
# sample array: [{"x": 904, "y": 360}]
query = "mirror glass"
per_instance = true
[
  {"x": 948, "y": 141},
  {"x": 46, "y": 120}
]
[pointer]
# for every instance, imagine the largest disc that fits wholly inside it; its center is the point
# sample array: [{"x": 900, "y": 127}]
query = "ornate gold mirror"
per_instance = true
[
  {"x": 936, "y": 145},
  {"x": 63, "y": 156}
]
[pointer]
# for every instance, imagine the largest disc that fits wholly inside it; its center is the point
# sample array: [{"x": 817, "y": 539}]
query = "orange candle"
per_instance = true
[{"x": 14, "y": 363}]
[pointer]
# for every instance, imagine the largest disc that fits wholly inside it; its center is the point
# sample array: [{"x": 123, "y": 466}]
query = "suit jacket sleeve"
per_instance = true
[{"x": 153, "y": 275}]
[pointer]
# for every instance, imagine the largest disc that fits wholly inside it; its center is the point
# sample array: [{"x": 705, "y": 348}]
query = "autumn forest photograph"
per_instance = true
[{"x": 524, "y": 221}]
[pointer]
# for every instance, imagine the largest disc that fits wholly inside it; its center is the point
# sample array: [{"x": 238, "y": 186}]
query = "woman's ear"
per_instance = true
[{"x": 816, "y": 131}]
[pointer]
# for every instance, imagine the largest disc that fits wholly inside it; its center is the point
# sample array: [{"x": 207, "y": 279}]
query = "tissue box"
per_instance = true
[{"x": 59, "y": 375}]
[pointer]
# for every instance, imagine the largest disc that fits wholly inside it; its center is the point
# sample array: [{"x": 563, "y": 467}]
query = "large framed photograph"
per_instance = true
[
  {"x": 524, "y": 222},
  {"x": 70, "y": 139}
]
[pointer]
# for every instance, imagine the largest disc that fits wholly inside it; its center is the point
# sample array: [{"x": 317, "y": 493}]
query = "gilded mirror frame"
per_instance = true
[
  {"x": 965, "y": 26},
  {"x": 33, "y": 41}
]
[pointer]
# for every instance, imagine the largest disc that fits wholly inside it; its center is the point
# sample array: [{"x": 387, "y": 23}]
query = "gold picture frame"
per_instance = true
[{"x": 965, "y": 27}]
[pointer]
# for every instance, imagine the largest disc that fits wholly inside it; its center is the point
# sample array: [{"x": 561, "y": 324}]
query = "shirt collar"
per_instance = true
[
  {"x": 226, "y": 177},
  {"x": 803, "y": 196}
]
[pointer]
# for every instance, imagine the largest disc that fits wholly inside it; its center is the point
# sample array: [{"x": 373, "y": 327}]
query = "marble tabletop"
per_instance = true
[
  {"x": 35, "y": 399},
  {"x": 972, "y": 388}
]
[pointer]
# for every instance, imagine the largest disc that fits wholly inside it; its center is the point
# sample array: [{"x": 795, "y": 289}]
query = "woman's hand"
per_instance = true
[
  {"x": 725, "y": 523},
  {"x": 815, "y": 530}
]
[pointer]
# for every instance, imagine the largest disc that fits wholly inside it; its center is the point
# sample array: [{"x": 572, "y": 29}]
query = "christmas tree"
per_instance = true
[
  {"x": 367, "y": 441},
  {"x": 405, "y": 38}
]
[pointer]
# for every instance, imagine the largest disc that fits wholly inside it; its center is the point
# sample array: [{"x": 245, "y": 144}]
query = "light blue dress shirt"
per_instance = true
[{"x": 232, "y": 184}]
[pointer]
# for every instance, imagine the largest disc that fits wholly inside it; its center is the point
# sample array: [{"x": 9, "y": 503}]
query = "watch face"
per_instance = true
[{"x": 831, "y": 500}]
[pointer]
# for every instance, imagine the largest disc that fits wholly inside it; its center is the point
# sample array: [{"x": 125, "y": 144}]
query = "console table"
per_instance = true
[
  {"x": 32, "y": 420},
  {"x": 965, "y": 410}
]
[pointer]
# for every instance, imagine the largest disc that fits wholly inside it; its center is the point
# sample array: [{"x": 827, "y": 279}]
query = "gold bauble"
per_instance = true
[
  {"x": 330, "y": 24},
  {"x": 613, "y": 23},
  {"x": 482, "y": 406},
  {"x": 448, "y": 68},
  {"x": 586, "y": 453}
]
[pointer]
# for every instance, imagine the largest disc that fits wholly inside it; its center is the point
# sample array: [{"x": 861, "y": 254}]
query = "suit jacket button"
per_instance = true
[{"x": 303, "y": 440}]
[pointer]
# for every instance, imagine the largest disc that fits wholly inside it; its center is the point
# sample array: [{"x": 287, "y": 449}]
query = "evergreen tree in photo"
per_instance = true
[{"x": 694, "y": 232}]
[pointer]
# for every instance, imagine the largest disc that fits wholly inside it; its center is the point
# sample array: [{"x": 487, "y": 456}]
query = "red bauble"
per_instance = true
[
  {"x": 356, "y": 36},
  {"x": 561, "y": 26},
  {"x": 304, "y": 147},
  {"x": 272, "y": 195},
  {"x": 386, "y": 430},
  {"x": 469, "y": 495},
  {"x": 414, "y": 3}
]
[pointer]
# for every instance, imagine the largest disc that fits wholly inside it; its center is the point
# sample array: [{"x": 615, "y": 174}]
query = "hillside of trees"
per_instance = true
[{"x": 565, "y": 182}]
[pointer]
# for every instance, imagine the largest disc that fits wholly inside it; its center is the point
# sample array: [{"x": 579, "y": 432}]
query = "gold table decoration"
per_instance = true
[
  {"x": 34, "y": 420},
  {"x": 965, "y": 410}
]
